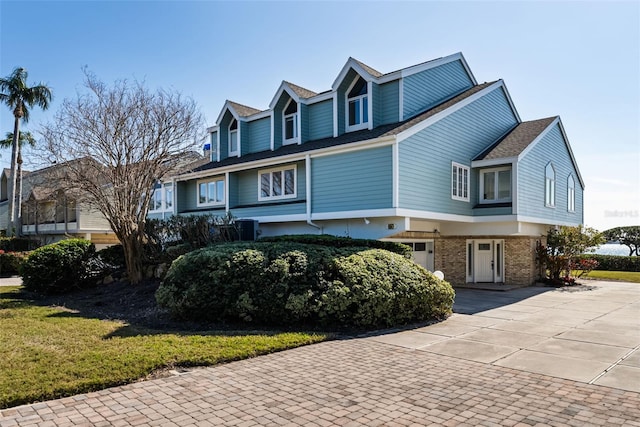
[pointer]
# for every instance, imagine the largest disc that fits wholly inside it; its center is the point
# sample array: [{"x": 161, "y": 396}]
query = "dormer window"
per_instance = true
[
  {"x": 358, "y": 105},
  {"x": 233, "y": 138},
  {"x": 290, "y": 120}
]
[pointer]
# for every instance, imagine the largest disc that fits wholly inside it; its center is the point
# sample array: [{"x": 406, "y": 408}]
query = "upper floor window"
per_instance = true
[
  {"x": 459, "y": 182},
  {"x": 495, "y": 185},
  {"x": 550, "y": 186},
  {"x": 290, "y": 120},
  {"x": 357, "y": 105},
  {"x": 162, "y": 199},
  {"x": 233, "y": 138},
  {"x": 277, "y": 183},
  {"x": 571, "y": 194},
  {"x": 211, "y": 192}
]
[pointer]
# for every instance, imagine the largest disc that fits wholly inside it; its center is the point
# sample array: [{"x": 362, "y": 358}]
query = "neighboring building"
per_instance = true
[
  {"x": 50, "y": 214},
  {"x": 424, "y": 155}
]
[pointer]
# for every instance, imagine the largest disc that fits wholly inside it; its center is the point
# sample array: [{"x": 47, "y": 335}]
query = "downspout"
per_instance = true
[{"x": 307, "y": 170}]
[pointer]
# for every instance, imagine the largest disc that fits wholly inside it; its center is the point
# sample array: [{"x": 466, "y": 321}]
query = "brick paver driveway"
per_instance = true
[{"x": 366, "y": 382}]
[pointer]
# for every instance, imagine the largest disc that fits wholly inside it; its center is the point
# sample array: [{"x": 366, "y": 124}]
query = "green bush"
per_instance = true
[
  {"x": 17, "y": 244},
  {"x": 293, "y": 283},
  {"x": 342, "y": 242},
  {"x": 61, "y": 267},
  {"x": 113, "y": 256},
  {"x": 615, "y": 262},
  {"x": 11, "y": 262}
]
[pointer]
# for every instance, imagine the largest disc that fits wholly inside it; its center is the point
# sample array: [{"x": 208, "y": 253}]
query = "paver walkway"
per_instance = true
[{"x": 366, "y": 382}]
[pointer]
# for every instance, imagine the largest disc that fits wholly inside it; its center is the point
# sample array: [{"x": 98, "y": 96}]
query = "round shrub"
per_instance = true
[
  {"x": 292, "y": 283},
  {"x": 59, "y": 267}
]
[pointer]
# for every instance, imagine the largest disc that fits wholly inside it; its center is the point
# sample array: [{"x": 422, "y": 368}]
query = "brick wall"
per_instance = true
[{"x": 519, "y": 258}]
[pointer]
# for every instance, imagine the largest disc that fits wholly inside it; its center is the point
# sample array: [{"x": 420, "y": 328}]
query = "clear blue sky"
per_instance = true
[{"x": 579, "y": 60}]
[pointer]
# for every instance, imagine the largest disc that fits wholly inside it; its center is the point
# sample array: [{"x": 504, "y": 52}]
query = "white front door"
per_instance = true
[
  {"x": 484, "y": 263},
  {"x": 422, "y": 253}
]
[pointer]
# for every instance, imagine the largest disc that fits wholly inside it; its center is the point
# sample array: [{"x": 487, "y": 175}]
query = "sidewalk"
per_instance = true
[{"x": 11, "y": 281}]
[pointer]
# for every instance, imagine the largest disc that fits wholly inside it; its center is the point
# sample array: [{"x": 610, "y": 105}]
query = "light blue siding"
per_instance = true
[
  {"x": 352, "y": 181},
  {"x": 187, "y": 194},
  {"x": 214, "y": 146},
  {"x": 270, "y": 210},
  {"x": 389, "y": 99},
  {"x": 244, "y": 184},
  {"x": 224, "y": 135},
  {"x": 277, "y": 120},
  {"x": 492, "y": 211},
  {"x": 531, "y": 180},
  {"x": 320, "y": 120},
  {"x": 341, "y": 94},
  {"x": 425, "y": 158},
  {"x": 377, "y": 106},
  {"x": 303, "y": 117},
  {"x": 258, "y": 136},
  {"x": 431, "y": 87},
  {"x": 243, "y": 137}
]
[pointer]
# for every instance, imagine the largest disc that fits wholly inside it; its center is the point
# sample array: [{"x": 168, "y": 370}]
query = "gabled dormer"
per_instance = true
[
  {"x": 290, "y": 115},
  {"x": 231, "y": 130},
  {"x": 354, "y": 97}
]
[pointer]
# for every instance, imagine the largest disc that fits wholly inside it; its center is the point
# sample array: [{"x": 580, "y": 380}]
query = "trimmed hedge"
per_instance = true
[
  {"x": 60, "y": 267},
  {"x": 17, "y": 244},
  {"x": 341, "y": 242},
  {"x": 11, "y": 262},
  {"x": 292, "y": 283},
  {"x": 615, "y": 262}
]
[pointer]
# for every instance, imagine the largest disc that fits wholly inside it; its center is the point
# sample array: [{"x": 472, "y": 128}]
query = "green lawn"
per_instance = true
[
  {"x": 626, "y": 276},
  {"x": 48, "y": 352}
]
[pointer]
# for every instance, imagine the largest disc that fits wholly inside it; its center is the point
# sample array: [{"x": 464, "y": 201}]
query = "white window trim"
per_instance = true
[
  {"x": 496, "y": 200},
  {"x": 571, "y": 193},
  {"x": 237, "y": 132},
  {"x": 207, "y": 181},
  {"x": 468, "y": 187},
  {"x": 296, "y": 125},
  {"x": 163, "y": 199},
  {"x": 278, "y": 169},
  {"x": 550, "y": 187},
  {"x": 361, "y": 125}
]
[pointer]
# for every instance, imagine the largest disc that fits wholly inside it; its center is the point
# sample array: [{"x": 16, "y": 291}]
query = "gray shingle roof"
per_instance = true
[
  {"x": 346, "y": 138},
  {"x": 243, "y": 110},
  {"x": 517, "y": 140},
  {"x": 300, "y": 91}
]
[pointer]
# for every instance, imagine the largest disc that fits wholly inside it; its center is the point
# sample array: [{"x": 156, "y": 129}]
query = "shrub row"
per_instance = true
[
  {"x": 11, "y": 262},
  {"x": 61, "y": 267},
  {"x": 342, "y": 242},
  {"x": 17, "y": 244},
  {"x": 293, "y": 283},
  {"x": 615, "y": 262}
]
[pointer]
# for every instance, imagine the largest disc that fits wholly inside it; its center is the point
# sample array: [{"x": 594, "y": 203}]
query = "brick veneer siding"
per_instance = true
[{"x": 519, "y": 258}]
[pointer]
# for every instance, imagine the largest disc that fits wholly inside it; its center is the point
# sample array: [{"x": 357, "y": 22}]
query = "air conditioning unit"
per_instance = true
[{"x": 247, "y": 229}]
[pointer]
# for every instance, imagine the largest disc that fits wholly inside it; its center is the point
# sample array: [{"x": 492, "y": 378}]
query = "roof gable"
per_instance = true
[
  {"x": 237, "y": 110},
  {"x": 294, "y": 91},
  {"x": 366, "y": 72}
]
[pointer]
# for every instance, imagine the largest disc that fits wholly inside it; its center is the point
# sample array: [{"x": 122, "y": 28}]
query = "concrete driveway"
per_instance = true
[{"x": 588, "y": 333}]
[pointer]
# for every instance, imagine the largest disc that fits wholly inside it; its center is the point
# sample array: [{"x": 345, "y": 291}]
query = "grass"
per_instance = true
[
  {"x": 51, "y": 352},
  {"x": 625, "y": 276}
]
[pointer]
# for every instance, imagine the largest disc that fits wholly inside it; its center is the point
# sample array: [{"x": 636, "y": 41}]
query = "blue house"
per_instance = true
[{"x": 424, "y": 155}]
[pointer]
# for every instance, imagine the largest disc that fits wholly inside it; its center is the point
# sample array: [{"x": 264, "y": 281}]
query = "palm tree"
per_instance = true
[
  {"x": 15, "y": 93},
  {"x": 24, "y": 138}
]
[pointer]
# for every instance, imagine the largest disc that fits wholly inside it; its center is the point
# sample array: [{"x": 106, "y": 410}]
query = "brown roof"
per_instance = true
[
  {"x": 243, "y": 110},
  {"x": 373, "y": 72},
  {"x": 517, "y": 140},
  {"x": 300, "y": 91}
]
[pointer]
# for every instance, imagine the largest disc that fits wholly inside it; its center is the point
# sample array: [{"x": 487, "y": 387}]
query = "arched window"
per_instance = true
[
  {"x": 290, "y": 120},
  {"x": 358, "y": 105},
  {"x": 571, "y": 194},
  {"x": 550, "y": 186},
  {"x": 233, "y": 138}
]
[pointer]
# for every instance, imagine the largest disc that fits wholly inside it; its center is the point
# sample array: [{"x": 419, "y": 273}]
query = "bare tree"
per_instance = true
[{"x": 116, "y": 142}]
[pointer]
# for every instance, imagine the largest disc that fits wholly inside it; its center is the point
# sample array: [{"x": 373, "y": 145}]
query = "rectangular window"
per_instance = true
[
  {"x": 291, "y": 128},
  {"x": 495, "y": 185},
  {"x": 168, "y": 197},
  {"x": 156, "y": 202},
  {"x": 162, "y": 199},
  {"x": 233, "y": 143},
  {"x": 277, "y": 183},
  {"x": 211, "y": 192},
  {"x": 459, "y": 182}
]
